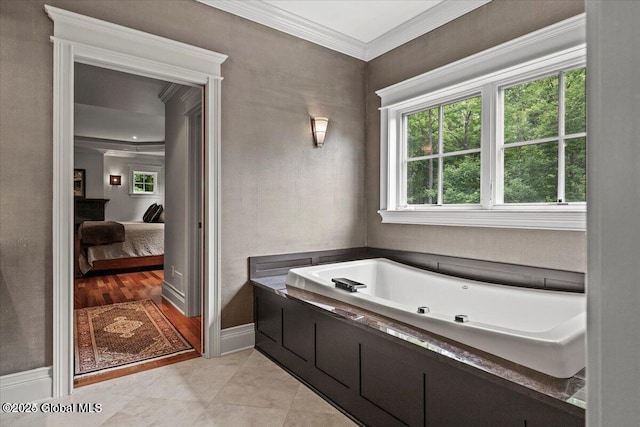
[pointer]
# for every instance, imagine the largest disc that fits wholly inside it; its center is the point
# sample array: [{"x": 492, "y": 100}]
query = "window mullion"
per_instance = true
[
  {"x": 486, "y": 146},
  {"x": 498, "y": 155},
  {"x": 561, "y": 138},
  {"x": 401, "y": 153},
  {"x": 532, "y": 141},
  {"x": 440, "y": 151}
]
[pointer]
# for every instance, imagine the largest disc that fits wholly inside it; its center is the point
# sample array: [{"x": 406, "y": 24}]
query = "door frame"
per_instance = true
[
  {"x": 78, "y": 38},
  {"x": 193, "y": 290}
]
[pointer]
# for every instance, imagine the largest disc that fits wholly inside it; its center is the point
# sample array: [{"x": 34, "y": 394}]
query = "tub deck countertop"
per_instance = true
[{"x": 566, "y": 394}]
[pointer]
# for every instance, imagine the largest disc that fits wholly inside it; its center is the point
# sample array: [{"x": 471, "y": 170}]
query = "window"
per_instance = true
[
  {"x": 496, "y": 140},
  {"x": 442, "y": 163},
  {"x": 144, "y": 182},
  {"x": 544, "y": 139}
]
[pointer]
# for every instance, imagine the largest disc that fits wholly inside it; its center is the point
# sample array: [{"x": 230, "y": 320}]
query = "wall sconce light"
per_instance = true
[
  {"x": 319, "y": 129},
  {"x": 115, "y": 179}
]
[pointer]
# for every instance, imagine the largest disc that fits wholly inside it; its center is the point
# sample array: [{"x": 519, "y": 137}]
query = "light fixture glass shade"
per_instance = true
[
  {"x": 115, "y": 179},
  {"x": 319, "y": 127}
]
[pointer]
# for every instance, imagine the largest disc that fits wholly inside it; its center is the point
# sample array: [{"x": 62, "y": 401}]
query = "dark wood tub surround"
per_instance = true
[
  {"x": 486, "y": 271},
  {"x": 383, "y": 372}
]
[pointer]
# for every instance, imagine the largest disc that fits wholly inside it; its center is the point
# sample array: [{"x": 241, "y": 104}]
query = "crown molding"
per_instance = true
[
  {"x": 168, "y": 91},
  {"x": 427, "y": 21},
  {"x": 279, "y": 19},
  {"x": 191, "y": 99},
  {"x": 287, "y": 22},
  {"x": 115, "y": 148}
]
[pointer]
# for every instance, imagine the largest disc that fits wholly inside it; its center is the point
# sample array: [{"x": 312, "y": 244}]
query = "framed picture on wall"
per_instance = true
[{"x": 79, "y": 183}]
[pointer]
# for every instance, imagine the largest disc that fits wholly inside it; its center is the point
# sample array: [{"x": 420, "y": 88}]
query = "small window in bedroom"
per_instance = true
[{"x": 144, "y": 182}]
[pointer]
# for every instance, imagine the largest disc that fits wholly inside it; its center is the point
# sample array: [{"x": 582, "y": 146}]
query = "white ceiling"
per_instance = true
[
  {"x": 357, "y": 19},
  {"x": 111, "y": 108},
  {"x": 363, "y": 29}
]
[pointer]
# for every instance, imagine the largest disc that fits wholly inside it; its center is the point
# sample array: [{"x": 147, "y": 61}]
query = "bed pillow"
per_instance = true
[
  {"x": 156, "y": 213},
  {"x": 149, "y": 212}
]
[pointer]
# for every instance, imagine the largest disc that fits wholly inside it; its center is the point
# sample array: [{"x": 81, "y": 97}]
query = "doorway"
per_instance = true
[
  {"x": 135, "y": 143},
  {"x": 80, "y": 39}
]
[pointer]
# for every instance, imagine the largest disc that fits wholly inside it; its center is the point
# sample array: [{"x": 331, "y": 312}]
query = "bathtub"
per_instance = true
[{"x": 543, "y": 330}]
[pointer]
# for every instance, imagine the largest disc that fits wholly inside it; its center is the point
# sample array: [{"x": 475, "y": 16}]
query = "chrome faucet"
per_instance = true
[{"x": 347, "y": 284}]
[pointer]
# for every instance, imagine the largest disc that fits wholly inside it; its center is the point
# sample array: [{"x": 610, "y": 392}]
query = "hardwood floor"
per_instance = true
[{"x": 107, "y": 289}]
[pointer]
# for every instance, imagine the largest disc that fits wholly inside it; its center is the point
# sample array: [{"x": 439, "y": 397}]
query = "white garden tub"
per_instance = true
[{"x": 543, "y": 330}]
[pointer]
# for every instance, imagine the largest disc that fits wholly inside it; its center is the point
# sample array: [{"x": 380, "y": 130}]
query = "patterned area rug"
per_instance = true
[{"x": 124, "y": 333}]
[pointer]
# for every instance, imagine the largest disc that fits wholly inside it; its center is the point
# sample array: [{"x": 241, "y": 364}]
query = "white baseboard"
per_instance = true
[
  {"x": 27, "y": 386},
  {"x": 173, "y": 296},
  {"x": 237, "y": 338}
]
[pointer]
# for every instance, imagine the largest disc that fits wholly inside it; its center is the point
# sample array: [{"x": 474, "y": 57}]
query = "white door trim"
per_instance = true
[
  {"x": 78, "y": 38},
  {"x": 193, "y": 289}
]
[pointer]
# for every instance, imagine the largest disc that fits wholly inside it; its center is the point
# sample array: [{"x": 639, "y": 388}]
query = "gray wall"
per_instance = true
[
  {"x": 93, "y": 164},
  {"x": 121, "y": 205},
  {"x": 490, "y": 25},
  {"x": 176, "y": 195},
  {"x": 613, "y": 284},
  {"x": 279, "y": 194}
]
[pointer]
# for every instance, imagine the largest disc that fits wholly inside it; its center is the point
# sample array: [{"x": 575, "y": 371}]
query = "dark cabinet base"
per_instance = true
[{"x": 380, "y": 382}]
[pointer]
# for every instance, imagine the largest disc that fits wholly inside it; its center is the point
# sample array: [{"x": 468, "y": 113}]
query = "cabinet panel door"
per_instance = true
[
  {"x": 297, "y": 330},
  {"x": 538, "y": 414},
  {"x": 337, "y": 351},
  {"x": 392, "y": 385},
  {"x": 268, "y": 313},
  {"x": 337, "y": 371},
  {"x": 457, "y": 398}
]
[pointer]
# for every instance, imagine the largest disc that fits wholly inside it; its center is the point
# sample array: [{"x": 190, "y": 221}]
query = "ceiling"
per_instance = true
[
  {"x": 115, "y": 111},
  {"x": 355, "y": 18},
  {"x": 363, "y": 29}
]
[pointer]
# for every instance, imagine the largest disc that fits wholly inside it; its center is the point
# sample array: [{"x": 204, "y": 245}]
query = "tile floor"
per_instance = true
[{"x": 241, "y": 389}]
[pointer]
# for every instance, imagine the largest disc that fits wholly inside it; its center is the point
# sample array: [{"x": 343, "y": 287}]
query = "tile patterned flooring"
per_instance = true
[{"x": 240, "y": 389}]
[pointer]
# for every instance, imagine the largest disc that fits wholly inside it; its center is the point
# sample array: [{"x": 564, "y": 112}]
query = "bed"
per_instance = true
[{"x": 109, "y": 245}]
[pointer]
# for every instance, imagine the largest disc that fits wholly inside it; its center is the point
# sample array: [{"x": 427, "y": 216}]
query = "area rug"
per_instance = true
[{"x": 119, "y": 334}]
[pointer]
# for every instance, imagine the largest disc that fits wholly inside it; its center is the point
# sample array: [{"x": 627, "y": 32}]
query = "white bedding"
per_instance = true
[{"x": 140, "y": 239}]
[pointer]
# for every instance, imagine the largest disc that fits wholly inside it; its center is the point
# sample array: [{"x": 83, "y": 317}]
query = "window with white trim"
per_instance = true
[
  {"x": 479, "y": 144},
  {"x": 144, "y": 182},
  {"x": 543, "y": 139},
  {"x": 441, "y": 147}
]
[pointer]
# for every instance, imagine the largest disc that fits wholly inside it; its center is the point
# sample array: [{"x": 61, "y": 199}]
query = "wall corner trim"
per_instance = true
[
  {"x": 237, "y": 338},
  {"x": 27, "y": 386}
]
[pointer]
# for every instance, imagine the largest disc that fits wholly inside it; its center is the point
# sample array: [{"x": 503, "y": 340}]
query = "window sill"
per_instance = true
[
  {"x": 537, "y": 219},
  {"x": 144, "y": 194}
]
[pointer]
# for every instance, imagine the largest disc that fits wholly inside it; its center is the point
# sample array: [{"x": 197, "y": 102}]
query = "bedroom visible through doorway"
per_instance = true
[{"x": 137, "y": 223}]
